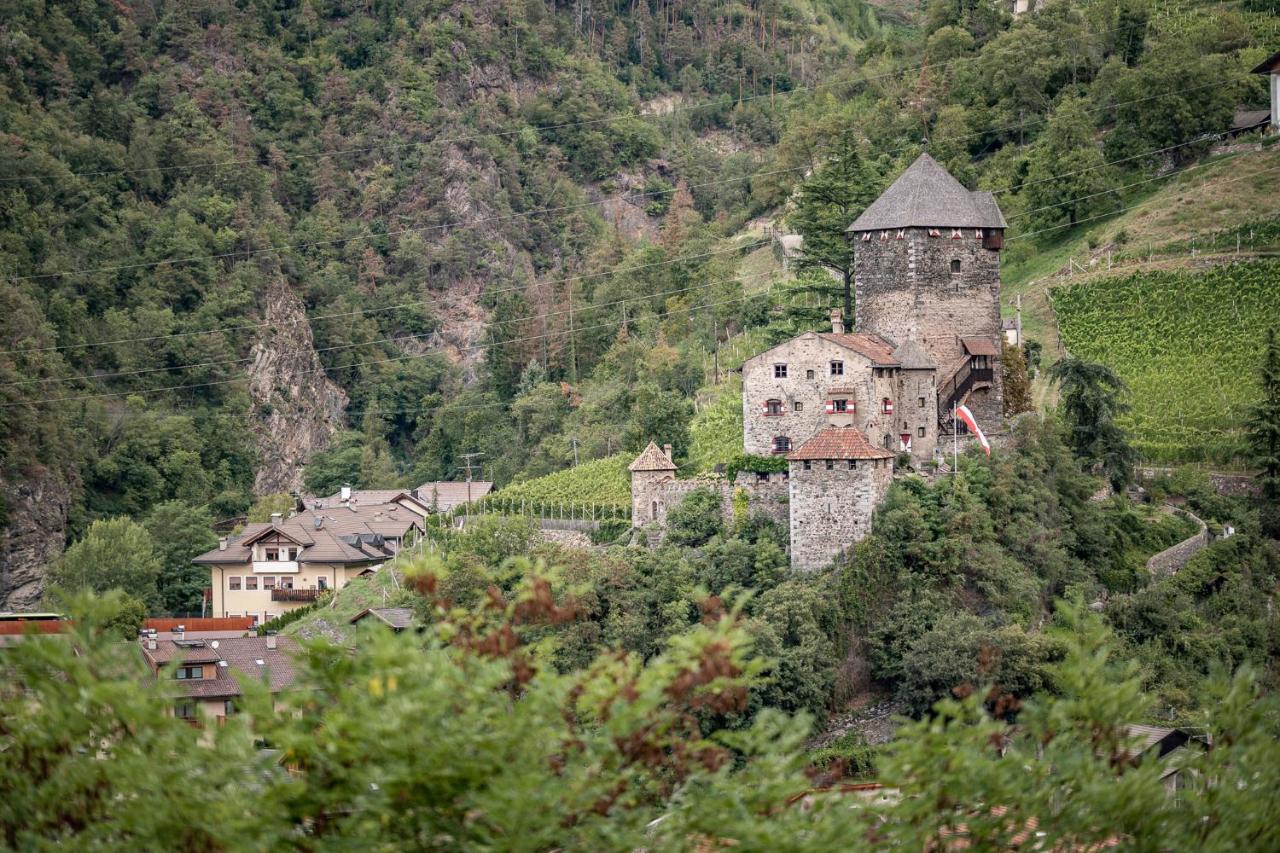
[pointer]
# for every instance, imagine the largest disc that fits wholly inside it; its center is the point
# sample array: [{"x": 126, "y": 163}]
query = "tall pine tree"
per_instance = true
[
  {"x": 1264, "y": 435},
  {"x": 826, "y": 204}
]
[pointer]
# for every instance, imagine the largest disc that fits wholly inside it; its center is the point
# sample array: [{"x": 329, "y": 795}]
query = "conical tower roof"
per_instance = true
[
  {"x": 652, "y": 458},
  {"x": 926, "y": 196}
]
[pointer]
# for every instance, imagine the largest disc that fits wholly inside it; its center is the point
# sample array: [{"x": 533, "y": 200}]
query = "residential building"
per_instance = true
[
  {"x": 349, "y": 497},
  {"x": 443, "y": 496},
  {"x": 269, "y": 569},
  {"x": 205, "y": 678}
]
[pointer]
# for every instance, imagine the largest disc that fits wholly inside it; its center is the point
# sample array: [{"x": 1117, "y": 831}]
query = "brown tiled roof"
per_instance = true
[
  {"x": 838, "y": 443},
  {"x": 241, "y": 656},
  {"x": 872, "y": 346},
  {"x": 363, "y": 497},
  {"x": 980, "y": 346},
  {"x": 345, "y": 534},
  {"x": 652, "y": 458},
  {"x": 1249, "y": 119},
  {"x": 398, "y": 618},
  {"x": 447, "y": 495},
  {"x": 927, "y": 195}
]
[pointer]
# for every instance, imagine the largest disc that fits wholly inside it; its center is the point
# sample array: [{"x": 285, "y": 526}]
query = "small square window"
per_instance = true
[
  {"x": 781, "y": 444},
  {"x": 250, "y": 583},
  {"x": 837, "y": 368},
  {"x": 808, "y": 374},
  {"x": 831, "y": 464},
  {"x": 920, "y": 402},
  {"x": 779, "y": 371},
  {"x": 807, "y": 465},
  {"x": 233, "y": 583},
  {"x": 853, "y": 464},
  {"x": 797, "y": 406},
  {"x": 773, "y": 407},
  {"x": 762, "y": 477}
]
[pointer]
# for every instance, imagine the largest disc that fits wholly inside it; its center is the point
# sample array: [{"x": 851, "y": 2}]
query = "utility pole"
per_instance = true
[
  {"x": 574, "y": 440},
  {"x": 469, "y": 465}
]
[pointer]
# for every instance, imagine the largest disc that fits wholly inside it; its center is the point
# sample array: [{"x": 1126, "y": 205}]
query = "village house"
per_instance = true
[
  {"x": 840, "y": 405},
  {"x": 205, "y": 677},
  {"x": 271, "y": 568},
  {"x": 396, "y": 618},
  {"x": 349, "y": 497}
]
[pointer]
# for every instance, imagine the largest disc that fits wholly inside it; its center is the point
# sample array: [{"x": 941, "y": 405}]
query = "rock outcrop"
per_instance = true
[
  {"x": 296, "y": 408},
  {"x": 36, "y": 505}
]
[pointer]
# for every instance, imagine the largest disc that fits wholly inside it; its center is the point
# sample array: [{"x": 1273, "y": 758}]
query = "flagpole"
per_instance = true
[{"x": 955, "y": 437}]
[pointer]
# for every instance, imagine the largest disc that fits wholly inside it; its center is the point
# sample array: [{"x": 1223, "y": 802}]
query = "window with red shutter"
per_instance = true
[{"x": 887, "y": 406}]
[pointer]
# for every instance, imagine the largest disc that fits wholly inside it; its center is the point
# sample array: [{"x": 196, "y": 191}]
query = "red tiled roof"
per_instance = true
[
  {"x": 838, "y": 443},
  {"x": 872, "y": 346}
]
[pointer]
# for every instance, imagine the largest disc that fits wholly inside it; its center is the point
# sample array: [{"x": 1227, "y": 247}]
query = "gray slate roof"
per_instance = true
[
  {"x": 926, "y": 195},
  {"x": 912, "y": 356}
]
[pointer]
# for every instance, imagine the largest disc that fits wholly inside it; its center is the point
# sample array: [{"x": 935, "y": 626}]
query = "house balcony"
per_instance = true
[
  {"x": 275, "y": 567},
  {"x": 278, "y": 594}
]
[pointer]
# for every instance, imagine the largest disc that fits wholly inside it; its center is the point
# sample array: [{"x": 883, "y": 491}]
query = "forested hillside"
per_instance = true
[{"x": 251, "y": 248}]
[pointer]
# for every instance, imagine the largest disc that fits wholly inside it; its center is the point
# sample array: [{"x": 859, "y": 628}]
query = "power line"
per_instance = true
[
  {"x": 336, "y": 347},
  {"x": 623, "y": 301},
  {"x": 366, "y": 311},
  {"x": 248, "y": 253},
  {"x": 719, "y": 102},
  {"x": 399, "y": 358}
]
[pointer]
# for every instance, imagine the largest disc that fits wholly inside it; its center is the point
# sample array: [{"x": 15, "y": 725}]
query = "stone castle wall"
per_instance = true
[
  {"x": 652, "y": 498},
  {"x": 906, "y": 289},
  {"x": 831, "y": 508}
]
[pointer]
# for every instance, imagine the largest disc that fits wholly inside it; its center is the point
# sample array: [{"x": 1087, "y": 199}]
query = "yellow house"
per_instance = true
[{"x": 272, "y": 568}]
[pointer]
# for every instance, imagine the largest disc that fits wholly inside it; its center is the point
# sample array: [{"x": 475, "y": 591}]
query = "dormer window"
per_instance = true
[{"x": 779, "y": 371}]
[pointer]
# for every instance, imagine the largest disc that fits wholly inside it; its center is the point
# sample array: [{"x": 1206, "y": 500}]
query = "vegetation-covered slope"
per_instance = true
[{"x": 1188, "y": 343}]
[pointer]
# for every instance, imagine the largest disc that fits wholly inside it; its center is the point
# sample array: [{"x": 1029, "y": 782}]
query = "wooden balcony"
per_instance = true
[{"x": 278, "y": 594}]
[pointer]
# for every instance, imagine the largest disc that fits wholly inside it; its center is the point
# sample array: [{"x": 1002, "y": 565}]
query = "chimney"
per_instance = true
[
  {"x": 346, "y": 494},
  {"x": 179, "y": 632},
  {"x": 666, "y": 448},
  {"x": 271, "y": 639},
  {"x": 222, "y": 543},
  {"x": 151, "y": 643},
  {"x": 276, "y": 518},
  {"x": 837, "y": 321}
]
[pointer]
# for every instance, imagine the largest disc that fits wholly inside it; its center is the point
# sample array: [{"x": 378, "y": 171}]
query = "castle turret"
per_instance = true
[
  {"x": 836, "y": 480},
  {"x": 651, "y": 467},
  {"x": 926, "y": 259}
]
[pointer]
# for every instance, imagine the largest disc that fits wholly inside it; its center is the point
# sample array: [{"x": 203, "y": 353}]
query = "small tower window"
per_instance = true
[
  {"x": 886, "y": 406},
  {"x": 955, "y": 266},
  {"x": 797, "y": 406},
  {"x": 779, "y": 371},
  {"x": 920, "y": 432},
  {"x": 831, "y": 464},
  {"x": 781, "y": 444},
  {"x": 853, "y": 465},
  {"x": 773, "y": 407},
  {"x": 808, "y": 374}
]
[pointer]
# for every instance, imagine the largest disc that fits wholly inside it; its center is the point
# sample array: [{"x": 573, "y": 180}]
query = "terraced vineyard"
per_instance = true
[
  {"x": 602, "y": 481},
  {"x": 1187, "y": 342}
]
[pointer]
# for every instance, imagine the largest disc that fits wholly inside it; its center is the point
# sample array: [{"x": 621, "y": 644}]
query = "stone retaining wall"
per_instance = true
[
  {"x": 1173, "y": 559},
  {"x": 1229, "y": 485}
]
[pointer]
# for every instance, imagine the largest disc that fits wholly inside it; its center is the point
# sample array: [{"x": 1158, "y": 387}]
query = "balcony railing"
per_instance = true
[{"x": 294, "y": 594}]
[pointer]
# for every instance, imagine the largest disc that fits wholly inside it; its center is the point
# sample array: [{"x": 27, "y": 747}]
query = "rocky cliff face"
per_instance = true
[
  {"x": 296, "y": 408},
  {"x": 38, "y": 502}
]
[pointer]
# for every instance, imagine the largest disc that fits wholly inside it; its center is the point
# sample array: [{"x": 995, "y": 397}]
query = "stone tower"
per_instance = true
[
  {"x": 650, "y": 469},
  {"x": 926, "y": 260},
  {"x": 837, "y": 478}
]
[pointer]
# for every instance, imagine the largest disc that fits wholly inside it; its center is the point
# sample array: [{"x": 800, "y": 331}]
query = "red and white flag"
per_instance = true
[{"x": 965, "y": 415}]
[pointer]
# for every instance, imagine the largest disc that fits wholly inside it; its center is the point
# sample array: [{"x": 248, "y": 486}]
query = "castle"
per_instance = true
[{"x": 840, "y": 405}]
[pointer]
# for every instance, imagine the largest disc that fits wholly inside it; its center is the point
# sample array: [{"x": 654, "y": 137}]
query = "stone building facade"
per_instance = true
[
  {"x": 819, "y": 379},
  {"x": 926, "y": 267},
  {"x": 841, "y": 405},
  {"x": 837, "y": 480}
]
